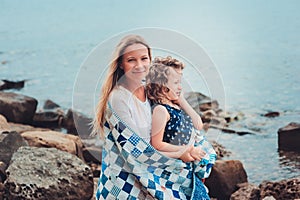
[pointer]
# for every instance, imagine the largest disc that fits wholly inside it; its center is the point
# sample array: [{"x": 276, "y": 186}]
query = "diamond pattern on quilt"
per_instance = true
[
  {"x": 135, "y": 152},
  {"x": 134, "y": 139}
]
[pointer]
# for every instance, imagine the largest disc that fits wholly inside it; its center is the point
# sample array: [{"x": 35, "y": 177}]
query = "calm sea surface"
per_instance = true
[{"x": 255, "y": 46}]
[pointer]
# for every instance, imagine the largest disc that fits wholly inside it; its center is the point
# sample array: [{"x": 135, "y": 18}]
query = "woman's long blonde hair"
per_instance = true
[{"x": 112, "y": 77}]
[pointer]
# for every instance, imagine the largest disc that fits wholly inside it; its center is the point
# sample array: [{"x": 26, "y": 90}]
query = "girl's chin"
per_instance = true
[{"x": 175, "y": 98}]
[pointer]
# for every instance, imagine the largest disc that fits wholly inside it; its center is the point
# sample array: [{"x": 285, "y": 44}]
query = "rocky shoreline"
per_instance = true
[{"x": 49, "y": 154}]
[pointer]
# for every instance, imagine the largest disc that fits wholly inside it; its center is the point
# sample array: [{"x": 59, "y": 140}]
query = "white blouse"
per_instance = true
[{"x": 134, "y": 112}]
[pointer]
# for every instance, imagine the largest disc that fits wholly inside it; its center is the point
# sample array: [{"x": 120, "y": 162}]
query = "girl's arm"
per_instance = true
[
  {"x": 160, "y": 117},
  {"x": 196, "y": 119}
]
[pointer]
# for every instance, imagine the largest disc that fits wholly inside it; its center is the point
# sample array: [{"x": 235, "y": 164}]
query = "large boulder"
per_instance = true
[
  {"x": 285, "y": 189},
  {"x": 224, "y": 177},
  {"x": 47, "y": 173},
  {"x": 289, "y": 137},
  {"x": 17, "y": 108},
  {"x": 10, "y": 142},
  {"x": 64, "y": 142}
]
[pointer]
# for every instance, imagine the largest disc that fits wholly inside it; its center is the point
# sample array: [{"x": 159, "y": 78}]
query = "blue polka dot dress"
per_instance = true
[{"x": 179, "y": 128}]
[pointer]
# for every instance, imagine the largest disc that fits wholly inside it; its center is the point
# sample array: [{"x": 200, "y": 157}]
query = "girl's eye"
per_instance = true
[
  {"x": 130, "y": 60},
  {"x": 145, "y": 58}
]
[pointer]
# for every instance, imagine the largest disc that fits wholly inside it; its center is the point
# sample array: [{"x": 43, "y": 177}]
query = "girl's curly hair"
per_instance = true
[{"x": 157, "y": 78}]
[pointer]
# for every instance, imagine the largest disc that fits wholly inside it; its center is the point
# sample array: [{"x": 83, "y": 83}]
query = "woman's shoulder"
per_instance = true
[
  {"x": 119, "y": 93},
  {"x": 118, "y": 98}
]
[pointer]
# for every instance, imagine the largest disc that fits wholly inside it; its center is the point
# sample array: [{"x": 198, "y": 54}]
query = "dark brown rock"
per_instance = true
[
  {"x": 50, "y": 105},
  {"x": 92, "y": 154},
  {"x": 246, "y": 191},
  {"x": 201, "y": 102},
  {"x": 220, "y": 150},
  {"x": 209, "y": 114},
  {"x": 4, "y": 126},
  {"x": 6, "y": 84},
  {"x": 96, "y": 169},
  {"x": 47, "y": 173},
  {"x": 272, "y": 114},
  {"x": 1, "y": 191},
  {"x": 229, "y": 130},
  {"x": 78, "y": 124},
  {"x": 224, "y": 178},
  {"x": 285, "y": 189},
  {"x": 48, "y": 119},
  {"x": 289, "y": 137},
  {"x": 3, "y": 167},
  {"x": 10, "y": 142},
  {"x": 17, "y": 108},
  {"x": 213, "y": 105}
]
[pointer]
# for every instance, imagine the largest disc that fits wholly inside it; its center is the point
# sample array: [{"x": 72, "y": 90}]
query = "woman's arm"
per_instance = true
[{"x": 119, "y": 101}]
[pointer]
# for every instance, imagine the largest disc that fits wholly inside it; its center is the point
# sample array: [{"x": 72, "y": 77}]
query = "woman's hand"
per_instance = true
[{"x": 197, "y": 153}]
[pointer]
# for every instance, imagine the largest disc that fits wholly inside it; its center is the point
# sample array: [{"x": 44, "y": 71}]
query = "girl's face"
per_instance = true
[
  {"x": 174, "y": 84},
  {"x": 135, "y": 62}
]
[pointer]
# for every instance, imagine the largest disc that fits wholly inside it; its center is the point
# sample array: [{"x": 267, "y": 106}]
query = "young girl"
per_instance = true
[{"x": 173, "y": 119}]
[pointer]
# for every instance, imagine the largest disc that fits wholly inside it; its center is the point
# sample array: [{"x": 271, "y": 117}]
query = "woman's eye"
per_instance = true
[
  {"x": 145, "y": 58},
  {"x": 130, "y": 60}
]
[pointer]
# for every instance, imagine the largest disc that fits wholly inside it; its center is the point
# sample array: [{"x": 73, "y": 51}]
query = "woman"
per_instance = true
[
  {"x": 131, "y": 167},
  {"x": 124, "y": 88}
]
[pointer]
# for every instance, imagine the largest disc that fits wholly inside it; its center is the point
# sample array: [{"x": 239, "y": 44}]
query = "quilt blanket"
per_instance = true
[{"x": 133, "y": 169}]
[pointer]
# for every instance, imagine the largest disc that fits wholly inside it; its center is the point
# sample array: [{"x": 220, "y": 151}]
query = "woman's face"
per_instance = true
[
  {"x": 135, "y": 62},
  {"x": 174, "y": 84}
]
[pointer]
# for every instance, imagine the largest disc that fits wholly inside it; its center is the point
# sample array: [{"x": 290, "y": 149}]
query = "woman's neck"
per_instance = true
[{"x": 137, "y": 89}]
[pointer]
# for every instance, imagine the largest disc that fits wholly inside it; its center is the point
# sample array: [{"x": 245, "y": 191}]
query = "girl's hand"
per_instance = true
[
  {"x": 197, "y": 153},
  {"x": 180, "y": 99},
  {"x": 186, "y": 156}
]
